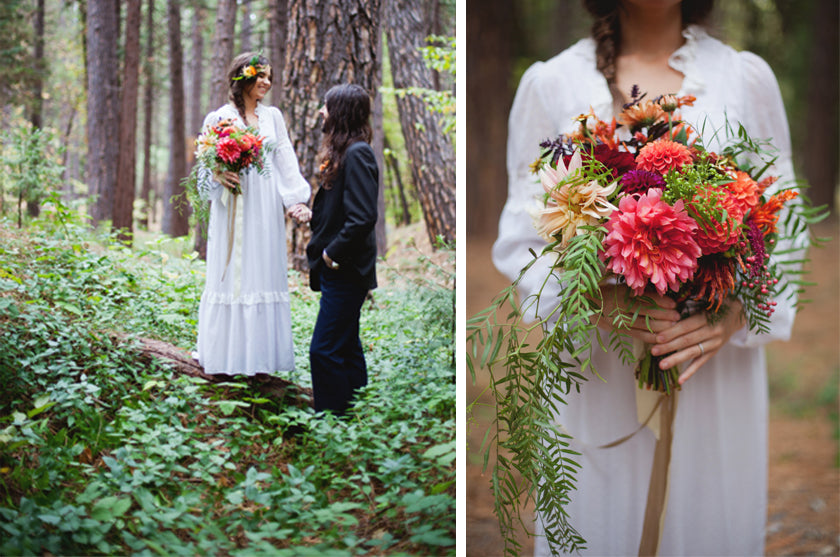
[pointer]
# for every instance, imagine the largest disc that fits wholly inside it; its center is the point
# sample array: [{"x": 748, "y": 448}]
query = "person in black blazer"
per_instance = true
[{"x": 342, "y": 249}]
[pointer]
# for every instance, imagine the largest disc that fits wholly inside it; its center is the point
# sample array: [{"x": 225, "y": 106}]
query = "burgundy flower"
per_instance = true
[
  {"x": 640, "y": 181},
  {"x": 620, "y": 162}
]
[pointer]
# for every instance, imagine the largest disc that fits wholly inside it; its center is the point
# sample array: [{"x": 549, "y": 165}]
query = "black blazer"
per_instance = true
[{"x": 344, "y": 219}]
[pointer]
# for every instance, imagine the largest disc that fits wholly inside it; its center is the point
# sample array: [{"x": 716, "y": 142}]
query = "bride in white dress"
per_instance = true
[
  {"x": 244, "y": 319},
  {"x": 718, "y": 483}
]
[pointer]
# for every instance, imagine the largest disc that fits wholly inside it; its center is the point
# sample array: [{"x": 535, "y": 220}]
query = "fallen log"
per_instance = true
[{"x": 181, "y": 361}]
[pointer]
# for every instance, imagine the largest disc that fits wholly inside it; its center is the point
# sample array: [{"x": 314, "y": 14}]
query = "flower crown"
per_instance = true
[{"x": 253, "y": 69}]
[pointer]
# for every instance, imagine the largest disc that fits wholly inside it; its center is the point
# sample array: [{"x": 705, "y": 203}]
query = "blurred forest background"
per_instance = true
[
  {"x": 102, "y": 99},
  {"x": 798, "y": 38}
]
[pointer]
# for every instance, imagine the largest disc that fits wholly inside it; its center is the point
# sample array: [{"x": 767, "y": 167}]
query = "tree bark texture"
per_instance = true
[
  {"x": 197, "y": 84},
  {"x": 246, "y": 30},
  {"x": 40, "y": 68},
  {"x": 430, "y": 150},
  {"x": 489, "y": 64},
  {"x": 378, "y": 144},
  {"x": 196, "y": 118},
  {"x": 126, "y": 177},
  {"x": 820, "y": 156},
  {"x": 329, "y": 42},
  {"x": 222, "y": 53},
  {"x": 180, "y": 361},
  {"x": 175, "y": 207},
  {"x": 278, "y": 17},
  {"x": 103, "y": 106},
  {"x": 146, "y": 189},
  {"x": 33, "y": 205}
]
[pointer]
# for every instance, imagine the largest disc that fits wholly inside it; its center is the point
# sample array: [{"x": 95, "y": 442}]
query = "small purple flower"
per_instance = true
[{"x": 640, "y": 181}]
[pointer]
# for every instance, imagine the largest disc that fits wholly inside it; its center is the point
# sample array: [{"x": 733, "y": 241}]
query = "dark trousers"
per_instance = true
[{"x": 335, "y": 354}]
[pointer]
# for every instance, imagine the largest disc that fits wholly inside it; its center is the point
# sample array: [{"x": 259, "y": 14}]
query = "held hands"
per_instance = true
[
  {"x": 658, "y": 324},
  {"x": 652, "y": 318},
  {"x": 695, "y": 339},
  {"x": 228, "y": 179},
  {"x": 300, "y": 212}
]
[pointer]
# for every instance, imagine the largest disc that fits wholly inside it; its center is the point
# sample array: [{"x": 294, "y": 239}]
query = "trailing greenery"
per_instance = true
[
  {"x": 538, "y": 349},
  {"x": 104, "y": 452}
]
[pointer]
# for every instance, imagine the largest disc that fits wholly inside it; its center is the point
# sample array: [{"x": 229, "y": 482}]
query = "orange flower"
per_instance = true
[
  {"x": 662, "y": 156},
  {"x": 744, "y": 190},
  {"x": 641, "y": 115},
  {"x": 713, "y": 281},
  {"x": 767, "y": 215}
]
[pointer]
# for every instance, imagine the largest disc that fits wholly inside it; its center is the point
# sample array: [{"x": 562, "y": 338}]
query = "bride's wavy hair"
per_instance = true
[
  {"x": 238, "y": 83},
  {"x": 348, "y": 121},
  {"x": 606, "y": 29}
]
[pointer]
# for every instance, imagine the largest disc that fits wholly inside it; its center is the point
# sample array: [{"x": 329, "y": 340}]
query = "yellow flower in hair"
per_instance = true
[{"x": 249, "y": 71}]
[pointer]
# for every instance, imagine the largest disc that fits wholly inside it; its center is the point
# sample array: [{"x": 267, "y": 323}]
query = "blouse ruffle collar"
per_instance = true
[{"x": 684, "y": 60}]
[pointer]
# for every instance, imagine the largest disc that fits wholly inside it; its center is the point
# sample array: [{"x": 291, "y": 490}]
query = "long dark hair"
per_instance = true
[
  {"x": 348, "y": 121},
  {"x": 239, "y": 86},
  {"x": 606, "y": 29}
]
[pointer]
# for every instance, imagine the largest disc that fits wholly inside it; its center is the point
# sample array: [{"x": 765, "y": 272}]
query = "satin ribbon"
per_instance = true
[
  {"x": 231, "y": 222},
  {"x": 656, "y": 411}
]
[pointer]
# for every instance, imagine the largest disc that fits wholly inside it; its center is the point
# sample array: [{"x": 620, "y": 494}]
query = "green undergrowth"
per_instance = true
[{"x": 105, "y": 452}]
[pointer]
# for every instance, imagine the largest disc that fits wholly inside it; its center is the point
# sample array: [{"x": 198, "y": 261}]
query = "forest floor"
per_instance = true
[{"x": 804, "y": 478}]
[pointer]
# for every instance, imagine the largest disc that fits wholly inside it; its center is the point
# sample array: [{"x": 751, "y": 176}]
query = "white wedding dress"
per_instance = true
[
  {"x": 718, "y": 483},
  {"x": 244, "y": 319}
]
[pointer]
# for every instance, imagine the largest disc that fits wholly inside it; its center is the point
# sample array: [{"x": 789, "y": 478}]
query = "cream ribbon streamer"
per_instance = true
[
  {"x": 656, "y": 411},
  {"x": 229, "y": 201}
]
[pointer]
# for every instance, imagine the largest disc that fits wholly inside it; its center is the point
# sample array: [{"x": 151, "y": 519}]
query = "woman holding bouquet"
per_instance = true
[
  {"x": 244, "y": 320},
  {"x": 716, "y": 502}
]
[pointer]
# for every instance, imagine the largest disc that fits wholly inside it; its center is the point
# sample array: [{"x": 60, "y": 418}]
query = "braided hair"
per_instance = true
[
  {"x": 238, "y": 83},
  {"x": 348, "y": 121},
  {"x": 606, "y": 29}
]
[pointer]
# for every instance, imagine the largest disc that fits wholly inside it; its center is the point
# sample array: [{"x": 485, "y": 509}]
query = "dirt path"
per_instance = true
[{"x": 804, "y": 484}]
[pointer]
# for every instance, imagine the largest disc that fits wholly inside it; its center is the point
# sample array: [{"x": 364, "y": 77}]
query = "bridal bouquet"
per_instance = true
[
  {"x": 636, "y": 201},
  {"x": 661, "y": 214},
  {"x": 224, "y": 146}
]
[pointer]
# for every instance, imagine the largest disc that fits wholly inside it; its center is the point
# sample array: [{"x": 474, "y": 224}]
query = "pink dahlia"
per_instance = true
[
  {"x": 651, "y": 242},
  {"x": 662, "y": 156},
  {"x": 228, "y": 150}
]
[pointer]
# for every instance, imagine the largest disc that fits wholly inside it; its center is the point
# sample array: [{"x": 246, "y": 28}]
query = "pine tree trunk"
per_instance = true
[
  {"x": 429, "y": 148},
  {"x": 222, "y": 53},
  {"x": 247, "y": 29},
  {"x": 278, "y": 17},
  {"x": 103, "y": 106},
  {"x": 488, "y": 39},
  {"x": 392, "y": 163},
  {"x": 197, "y": 84},
  {"x": 175, "y": 206},
  {"x": 33, "y": 206},
  {"x": 196, "y": 117},
  {"x": 378, "y": 145},
  {"x": 126, "y": 179},
  {"x": 329, "y": 42},
  {"x": 820, "y": 157},
  {"x": 148, "y": 74}
]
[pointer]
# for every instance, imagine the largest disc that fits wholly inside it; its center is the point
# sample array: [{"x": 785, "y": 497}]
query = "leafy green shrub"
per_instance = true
[{"x": 103, "y": 452}]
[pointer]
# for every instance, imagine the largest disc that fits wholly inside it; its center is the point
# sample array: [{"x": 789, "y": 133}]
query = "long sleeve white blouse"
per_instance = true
[{"x": 717, "y": 501}]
